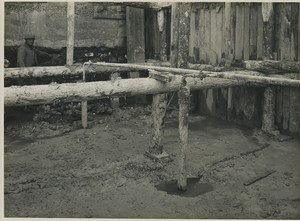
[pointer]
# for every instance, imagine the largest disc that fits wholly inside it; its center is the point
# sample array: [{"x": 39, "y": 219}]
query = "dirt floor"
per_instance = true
[{"x": 57, "y": 169}]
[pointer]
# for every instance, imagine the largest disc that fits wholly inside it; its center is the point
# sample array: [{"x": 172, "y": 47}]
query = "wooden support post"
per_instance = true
[
  {"x": 183, "y": 100},
  {"x": 269, "y": 93},
  {"x": 229, "y": 51},
  {"x": 115, "y": 102},
  {"x": 70, "y": 32},
  {"x": 269, "y": 110},
  {"x": 227, "y": 28},
  {"x": 84, "y": 114},
  {"x": 159, "y": 106}
]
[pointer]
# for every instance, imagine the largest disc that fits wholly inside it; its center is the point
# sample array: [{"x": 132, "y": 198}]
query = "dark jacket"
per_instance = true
[{"x": 27, "y": 56}]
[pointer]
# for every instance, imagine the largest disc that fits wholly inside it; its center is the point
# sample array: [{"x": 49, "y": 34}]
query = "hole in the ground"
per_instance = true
[{"x": 194, "y": 188}]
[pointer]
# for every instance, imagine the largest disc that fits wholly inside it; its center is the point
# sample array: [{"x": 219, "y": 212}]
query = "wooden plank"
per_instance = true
[
  {"x": 207, "y": 33},
  {"x": 268, "y": 32},
  {"x": 232, "y": 31},
  {"x": 174, "y": 35},
  {"x": 201, "y": 37},
  {"x": 253, "y": 31},
  {"x": 239, "y": 40},
  {"x": 219, "y": 36},
  {"x": 227, "y": 27},
  {"x": 298, "y": 53},
  {"x": 246, "y": 51},
  {"x": 135, "y": 42},
  {"x": 295, "y": 97},
  {"x": 260, "y": 26},
  {"x": 162, "y": 18},
  {"x": 213, "y": 37},
  {"x": 227, "y": 31},
  {"x": 285, "y": 32},
  {"x": 193, "y": 38},
  {"x": 294, "y": 31},
  {"x": 70, "y": 32}
]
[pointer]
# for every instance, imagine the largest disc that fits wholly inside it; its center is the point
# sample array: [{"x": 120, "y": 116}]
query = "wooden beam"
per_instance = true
[
  {"x": 272, "y": 67},
  {"x": 70, "y": 32},
  {"x": 257, "y": 80},
  {"x": 275, "y": 67},
  {"x": 43, "y": 94}
]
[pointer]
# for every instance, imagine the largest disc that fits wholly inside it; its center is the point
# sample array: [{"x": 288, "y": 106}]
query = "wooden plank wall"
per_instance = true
[{"x": 207, "y": 46}]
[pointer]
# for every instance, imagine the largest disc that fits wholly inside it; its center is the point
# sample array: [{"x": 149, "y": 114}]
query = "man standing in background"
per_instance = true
[{"x": 28, "y": 54}]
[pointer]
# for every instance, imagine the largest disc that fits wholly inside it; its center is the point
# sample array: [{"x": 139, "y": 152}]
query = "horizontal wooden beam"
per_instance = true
[
  {"x": 253, "y": 67},
  {"x": 258, "y": 79},
  {"x": 272, "y": 67},
  {"x": 42, "y": 94}
]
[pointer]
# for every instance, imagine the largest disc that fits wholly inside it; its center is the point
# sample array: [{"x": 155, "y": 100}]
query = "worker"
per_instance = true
[{"x": 28, "y": 54}]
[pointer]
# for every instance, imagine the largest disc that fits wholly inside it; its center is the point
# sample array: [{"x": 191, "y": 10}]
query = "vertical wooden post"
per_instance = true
[
  {"x": 269, "y": 93},
  {"x": 70, "y": 33},
  {"x": 229, "y": 50},
  {"x": 159, "y": 105},
  {"x": 84, "y": 115},
  {"x": 294, "y": 125},
  {"x": 114, "y": 102},
  {"x": 70, "y": 54},
  {"x": 180, "y": 34},
  {"x": 183, "y": 100}
]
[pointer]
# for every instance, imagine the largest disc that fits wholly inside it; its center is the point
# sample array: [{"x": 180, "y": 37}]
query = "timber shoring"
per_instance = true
[{"x": 40, "y": 94}]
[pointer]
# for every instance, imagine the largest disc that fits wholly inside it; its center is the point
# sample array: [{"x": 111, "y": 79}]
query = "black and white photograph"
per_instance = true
[{"x": 151, "y": 110}]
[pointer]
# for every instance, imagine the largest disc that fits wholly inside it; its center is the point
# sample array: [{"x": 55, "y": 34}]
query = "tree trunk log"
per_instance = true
[
  {"x": 255, "y": 79},
  {"x": 42, "y": 94},
  {"x": 273, "y": 67},
  {"x": 184, "y": 101}
]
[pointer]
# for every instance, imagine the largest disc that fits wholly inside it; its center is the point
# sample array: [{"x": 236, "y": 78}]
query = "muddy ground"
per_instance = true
[{"x": 53, "y": 168}]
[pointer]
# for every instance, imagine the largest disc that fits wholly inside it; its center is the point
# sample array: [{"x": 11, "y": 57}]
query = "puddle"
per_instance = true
[{"x": 194, "y": 188}]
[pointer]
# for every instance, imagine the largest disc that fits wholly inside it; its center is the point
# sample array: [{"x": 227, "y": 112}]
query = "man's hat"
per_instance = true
[{"x": 29, "y": 36}]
